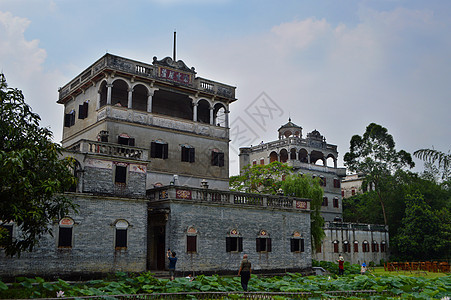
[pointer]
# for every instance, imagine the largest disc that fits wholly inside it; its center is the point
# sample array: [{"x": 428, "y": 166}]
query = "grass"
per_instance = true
[{"x": 379, "y": 271}]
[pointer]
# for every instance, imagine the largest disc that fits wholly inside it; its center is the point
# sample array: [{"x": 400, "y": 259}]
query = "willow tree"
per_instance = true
[{"x": 301, "y": 186}]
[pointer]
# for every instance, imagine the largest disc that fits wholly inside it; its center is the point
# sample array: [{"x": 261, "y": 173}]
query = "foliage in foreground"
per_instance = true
[
  {"x": 32, "y": 175},
  {"x": 405, "y": 287}
]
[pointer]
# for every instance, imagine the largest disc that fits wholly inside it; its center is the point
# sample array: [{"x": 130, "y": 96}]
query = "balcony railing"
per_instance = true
[
  {"x": 227, "y": 197},
  {"x": 355, "y": 226},
  {"x": 109, "y": 149}
]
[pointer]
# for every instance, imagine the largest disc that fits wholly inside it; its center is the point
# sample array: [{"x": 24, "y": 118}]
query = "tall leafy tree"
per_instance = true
[
  {"x": 32, "y": 174},
  {"x": 422, "y": 234},
  {"x": 375, "y": 155},
  {"x": 301, "y": 186}
]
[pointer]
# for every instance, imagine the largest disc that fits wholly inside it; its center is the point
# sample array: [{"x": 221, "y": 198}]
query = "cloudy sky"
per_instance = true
[{"x": 330, "y": 65}]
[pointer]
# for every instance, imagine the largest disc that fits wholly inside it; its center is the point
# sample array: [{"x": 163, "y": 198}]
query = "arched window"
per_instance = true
[
  {"x": 346, "y": 247},
  {"x": 336, "y": 246},
  {"x": 121, "y": 229},
  {"x": 203, "y": 111},
  {"x": 219, "y": 115},
  {"x": 119, "y": 93},
  {"x": 191, "y": 239},
  {"x": 234, "y": 241},
  {"x": 273, "y": 157},
  {"x": 283, "y": 155},
  {"x": 263, "y": 242},
  {"x": 383, "y": 246},
  {"x": 293, "y": 154},
  {"x": 365, "y": 246},
  {"x": 297, "y": 242},
  {"x": 65, "y": 232},
  {"x": 303, "y": 156},
  {"x": 374, "y": 247},
  {"x": 139, "y": 97},
  {"x": 356, "y": 246}
]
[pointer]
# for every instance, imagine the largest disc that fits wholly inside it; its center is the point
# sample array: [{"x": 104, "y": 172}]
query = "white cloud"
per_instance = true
[{"x": 22, "y": 62}]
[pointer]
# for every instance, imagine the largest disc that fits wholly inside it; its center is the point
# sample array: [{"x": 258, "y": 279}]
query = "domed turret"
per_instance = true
[{"x": 290, "y": 129}]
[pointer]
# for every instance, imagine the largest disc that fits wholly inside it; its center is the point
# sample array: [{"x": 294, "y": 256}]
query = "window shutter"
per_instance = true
[
  {"x": 293, "y": 245},
  {"x": 165, "y": 151},
  {"x": 213, "y": 158},
  {"x": 221, "y": 159},
  {"x": 67, "y": 120},
  {"x": 65, "y": 237},
  {"x": 228, "y": 244},
  {"x": 191, "y": 154},
  {"x": 302, "y": 245},
  {"x": 85, "y": 109},
  {"x": 183, "y": 153},
  {"x": 81, "y": 113},
  {"x": 131, "y": 142},
  {"x": 191, "y": 243},
  {"x": 121, "y": 238},
  {"x": 268, "y": 245},
  {"x": 257, "y": 245},
  {"x": 72, "y": 118},
  {"x": 324, "y": 181},
  {"x": 240, "y": 244},
  {"x": 153, "y": 146}
]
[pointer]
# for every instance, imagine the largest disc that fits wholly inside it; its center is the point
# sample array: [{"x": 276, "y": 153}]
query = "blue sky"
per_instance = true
[{"x": 334, "y": 66}]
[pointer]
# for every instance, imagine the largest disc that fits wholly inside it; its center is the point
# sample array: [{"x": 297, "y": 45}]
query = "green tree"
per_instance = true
[
  {"x": 265, "y": 179},
  {"x": 269, "y": 179},
  {"x": 307, "y": 187},
  {"x": 32, "y": 175},
  {"x": 422, "y": 233},
  {"x": 374, "y": 154}
]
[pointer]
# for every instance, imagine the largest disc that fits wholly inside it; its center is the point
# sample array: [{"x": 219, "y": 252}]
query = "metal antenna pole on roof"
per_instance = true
[{"x": 173, "y": 56}]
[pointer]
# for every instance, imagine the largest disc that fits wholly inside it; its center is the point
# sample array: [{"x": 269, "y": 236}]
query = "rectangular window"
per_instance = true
[
  {"x": 297, "y": 245},
  {"x": 263, "y": 245},
  {"x": 65, "y": 237},
  {"x": 254, "y": 162},
  {"x": 191, "y": 243},
  {"x": 336, "y": 202},
  {"x": 188, "y": 154},
  {"x": 336, "y": 183},
  {"x": 234, "y": 244},
  {"x": 262, "y": 161},
  {"x": 7, "y": 233},
  {"x": 126, "y": 141},
  {"x": 217, "y": 159},
  {"x": 121, "y": 238},
  {"x": 323, "y": 181},
  {"x": 159, "y": 150},
  {"x": 353, "y": 192},
  {"x": 318, "y": 249},
  {"x": 121, "y": 174},
  {"x": 69, "y": 119},
  {"x": 325, "y": 202},
  {"x": 83, "y": 110}
]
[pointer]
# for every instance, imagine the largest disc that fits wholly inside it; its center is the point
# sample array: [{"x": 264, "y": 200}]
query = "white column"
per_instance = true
[
  {"x": 212, "y": 121},
  {"x": 98, "y": 101},
  {"x": 108, "y": 93},
  {"x": 149, "y": 99},
  {"x": 195, "y": 112},
  {"x": 308, "y": 157},
  {"x": 130, "y": 98},
  {"x": 226, "y": 118}
]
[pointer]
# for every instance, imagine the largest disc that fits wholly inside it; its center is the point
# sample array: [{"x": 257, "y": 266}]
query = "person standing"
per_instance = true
[
  {"x": 172, "y": 262},
  {"x": 363, "y": 269},
  {"x": 245, "y": 272},
  {"x": 341, "y": 262}
]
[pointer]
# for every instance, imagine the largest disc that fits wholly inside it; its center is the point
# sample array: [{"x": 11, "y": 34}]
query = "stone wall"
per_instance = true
[
  {"x": 213, "y": 224},
  {"x": 93, "y": 247}
]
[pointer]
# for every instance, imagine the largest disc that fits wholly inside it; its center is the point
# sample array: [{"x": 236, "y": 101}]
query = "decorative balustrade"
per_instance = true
[
  {"x": 115, "y": 150},
  {"x": 227, "y": 197},
  {"x": 355, "y": 226},
  {"x": 135, "y": 68}
]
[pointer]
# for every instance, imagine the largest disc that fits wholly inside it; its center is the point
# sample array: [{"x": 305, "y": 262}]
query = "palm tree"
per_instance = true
[{"x": 432, "y": 156}]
